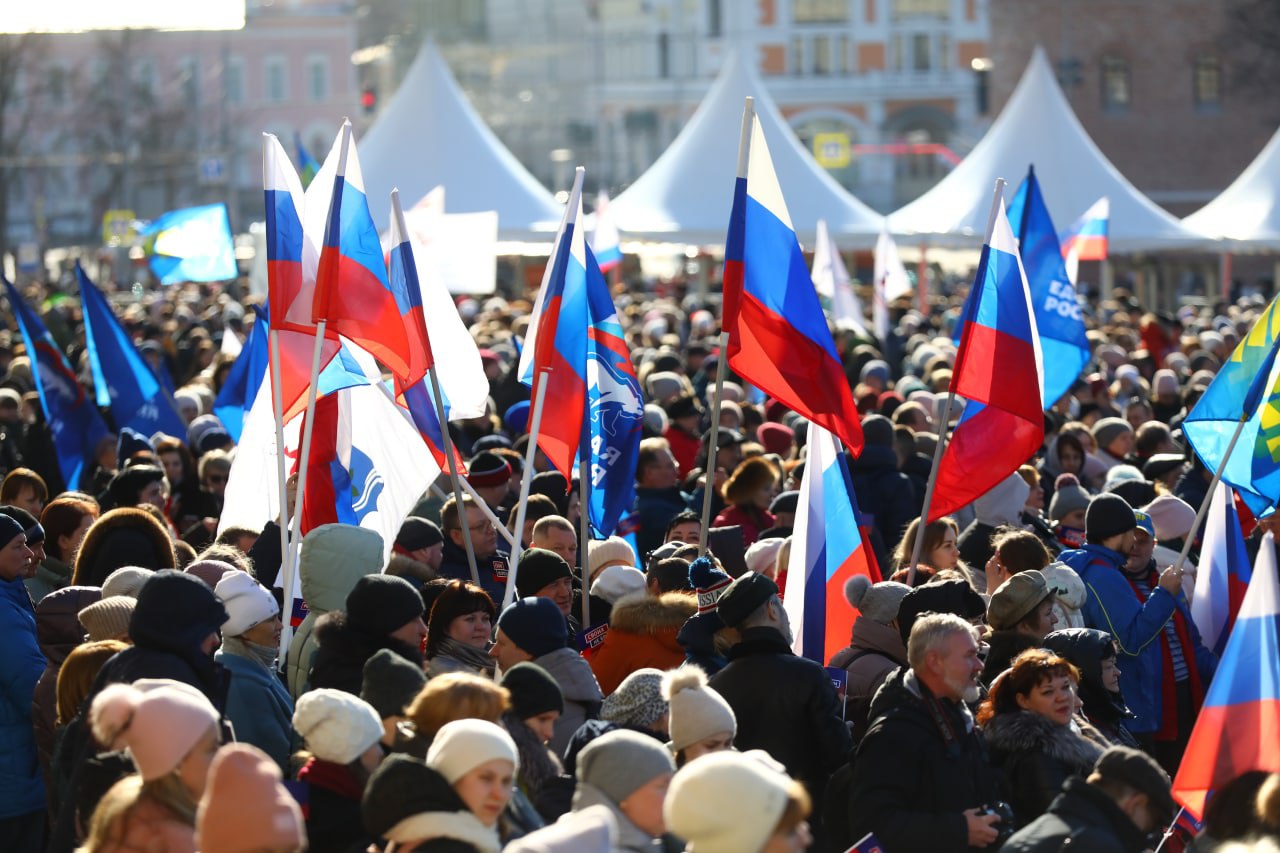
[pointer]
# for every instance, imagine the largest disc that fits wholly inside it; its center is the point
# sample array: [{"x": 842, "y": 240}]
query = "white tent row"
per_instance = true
[{"x": 1247, "y": 213}]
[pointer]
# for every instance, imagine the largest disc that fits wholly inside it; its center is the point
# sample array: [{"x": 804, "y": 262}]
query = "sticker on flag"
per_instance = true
[
  {"x": 840, "y": 682},
  {"x": 592, "y": 637}
]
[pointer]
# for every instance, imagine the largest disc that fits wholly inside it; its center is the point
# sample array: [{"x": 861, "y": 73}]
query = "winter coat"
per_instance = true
[
  {"x": 883, "y": 492},
  {"x": 630, "y": 838},
  {"x": 492, "y": 568},
  {"x": 21, "y": 664},
  {"x": 58, "y": 631},
  {"x": 1003, "y": 647},
  {"x": 1037, "y": 755},
  {"x": 974, "y": 543},
  {"x": 50, "y": 575},
  {"x": 1082, "y": 817},
  {"x": 874, "y": 651},
  {"x": 342, "y": 650},
  {"x": 1137, "y": 627},
  {"x": 654, "y": 510},
  {"x": 328, "y": 574},
  {"x": 684, "y": 447},
  {"x": 582, "y": 696},
  {"x": 259, "y": 707},
  {"x": 751, "y": 519},
  {"x": 642, "y": 634},
  {"x": 150, "y": 827},
  {"x": 786, "y": 706},
  {"x": 332, "y": 808},
  {"x": 912, "y": 778}
]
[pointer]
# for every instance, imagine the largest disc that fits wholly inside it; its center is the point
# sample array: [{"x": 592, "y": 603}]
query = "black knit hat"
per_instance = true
[
  {"x": 10, "y": 529},
  {"x": 175, "y": 609},
  {"x": 744, "y": 597},
  {"x": 951, "y": 596},
  {"x": 1108, "y": 515},
  {"x": 487, "y": 468},
  {"x": 402, "y": 787},
  {"x": 535, "y": 625},
  {"x": 533, "y": 691},
  {"x": 390, "y": 683},
  {"x": 418, "y": 533},
  {"x": 539, "y": 567},
  {"x": 379, "y": 604},
  {"x": 30, "y": 524}
]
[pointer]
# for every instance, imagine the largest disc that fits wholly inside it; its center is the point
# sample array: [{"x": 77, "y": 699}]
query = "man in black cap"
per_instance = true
[
  {"x": 1116, "y": 810},
  {"x": 785, "y": 704},
  {"x": 420, "y": 540}
]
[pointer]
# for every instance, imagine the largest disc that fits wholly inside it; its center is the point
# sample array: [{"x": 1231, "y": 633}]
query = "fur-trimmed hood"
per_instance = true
[
  {"x": 1026, "y": 731},
  {"x": 647, "y": 614},
  {"x": 122, "y": 537}
]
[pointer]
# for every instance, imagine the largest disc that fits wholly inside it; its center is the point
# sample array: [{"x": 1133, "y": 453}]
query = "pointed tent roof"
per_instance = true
[
  {"x": 687, "y": 194},
  {"x": 429, "y": 135},
  {"x": 1248, "y": 211},
  {"x": 1037, "y": 126}
]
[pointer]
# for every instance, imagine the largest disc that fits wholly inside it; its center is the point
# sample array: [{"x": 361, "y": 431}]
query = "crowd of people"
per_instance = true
[{"x": 1030, "y": 685}]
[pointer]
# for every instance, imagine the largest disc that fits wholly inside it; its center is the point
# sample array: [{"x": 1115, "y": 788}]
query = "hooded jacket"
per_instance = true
[
  {"x": 885, "y": 491},
  {"x": 58, "y": 631},
  {"x": 122, "y": 537},
  {"x": 875, "y": 650},
  {"x": 1086, "y": 648},
  {"x": 1037, "y": 755},
  {"x": 1070, "y": 595},
  {"x": 698, "y": 639},
  {"x": 582, "y": 696},
  {"x": 1002, "y": 504},
  {"x": 631, "y": 838},
  {"x": 1082, "y": 817},
  {"x": 643, "y": 633},
  {"x": 21, "y": 663},
  {"x": 334, "y": 557}
]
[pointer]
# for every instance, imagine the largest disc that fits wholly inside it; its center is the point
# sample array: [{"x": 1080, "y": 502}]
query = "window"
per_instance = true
[
  {"x": 944, "y": 52},
  {"x": 843, "y": 60},
  {"x": 1115, "y": 84},
  {"x": 664, "y": 55},
  {"x": 921, "y": 8},
  {"x": 1207, "y": 83},
  {"x": 896, "y": 60},
  {"x": 715, "y": 19},
  {"x": 820, "y": 11},
  {"x": 277, "y": 84},
  {"x": 822, "y": 55},
  {"x": 921, "y": 60},
  {"x": 797, "y": 55},
  {"x": 233, "y": 81},
  {"x": 318, "y": 79}
]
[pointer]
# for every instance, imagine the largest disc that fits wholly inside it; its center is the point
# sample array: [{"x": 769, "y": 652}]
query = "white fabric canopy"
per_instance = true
[
  {"x": 429, "y": 135},
  {"x": 1037, "y": 126},
  {"x": 687, "y": 194},
  {"x": 1247, "y": 211}
]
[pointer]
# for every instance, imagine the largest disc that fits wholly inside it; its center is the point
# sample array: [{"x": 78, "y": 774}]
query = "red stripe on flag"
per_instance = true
[
  {"x": 840, "y": 614},
  {"x": 983, "y": 451},
  {"x": 359, "y": 307},
  {"x": 999, "y": 370},
  {"x": 1227, "y": 740},
  {"x": 562, "y": 414}
]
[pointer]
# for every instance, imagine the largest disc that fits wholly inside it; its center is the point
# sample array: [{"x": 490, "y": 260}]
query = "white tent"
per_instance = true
[
  {"x": 1037, "y": 126},
  {"x": 1248, "y": 211},
  {"x": 429, "y": 135},
  {"x": 687, "y": 194}
]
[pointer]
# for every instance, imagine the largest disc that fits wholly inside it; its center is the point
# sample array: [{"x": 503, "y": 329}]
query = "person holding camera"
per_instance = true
[{"x": 921, "y": 780}]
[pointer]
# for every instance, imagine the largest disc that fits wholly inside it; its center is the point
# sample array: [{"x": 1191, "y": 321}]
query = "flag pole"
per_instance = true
[
  {"x": 535, "y": 424},
  {"x": 1208, "y": 495},
  {"x": 488, "y": 513},
  {"x": 918, "y": 546},
  {"x": 286, "y": 630},
  {"x": 1168, "y": 833},
  {"x": 584, "y": 531}
]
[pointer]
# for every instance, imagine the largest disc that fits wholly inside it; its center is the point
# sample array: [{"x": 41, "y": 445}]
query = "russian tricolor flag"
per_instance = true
[
  {"x": 1237, "y": 726},
  {"x": 778, "y": 336},
  {"x": 1087, "y": 237},
  {"x": 826, "y": 550},
  {"x": 1223, "y": 576},
  {"x": 1000, "y": 373},
  {"x": 605, "y": 241}
]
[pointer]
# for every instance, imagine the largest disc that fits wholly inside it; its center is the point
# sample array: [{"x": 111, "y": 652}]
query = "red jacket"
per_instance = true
[{"x": 642, "y": 633}]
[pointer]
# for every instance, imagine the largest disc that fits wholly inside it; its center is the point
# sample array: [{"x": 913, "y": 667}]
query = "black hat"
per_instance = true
[
  {"x": 533, "y": 690},
  {"x": 535, "y": 625},
  {"x": 492, "y": 441},
  {"x": 131, "y": 442},
  {"x": 10, "y": 529},
  {"x": 744, "y": 597},
  {"x": 30, "y": 526},
  {"x": 390, "y": 683},
  {"x": 402, "y": 787},
  {"x": 682, "y": 407},
  {"x": 213, "y": 439},
  {"x": 877, "y": 430},
  {"x": 785, "y": 502},
  {"x": 950, "y": 596},
  {"x": 1162, "y": 463},
  {"x": 726, "y": 438},
  {"x": 539, "y": 567},
  {"x": 418, "y": 533},
  {"x": 487, "y": 468},
  {"x": 1108, "y": 515},
  {"x": 1139, "y": 771},
  {"x": 175, "y": 609},
  {"x": 380, "y": 604}
]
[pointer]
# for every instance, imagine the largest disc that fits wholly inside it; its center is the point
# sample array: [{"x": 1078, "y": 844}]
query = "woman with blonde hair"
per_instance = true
[
  {"x": 940, "y": 550},
  {"x": 455, "y": 696}
]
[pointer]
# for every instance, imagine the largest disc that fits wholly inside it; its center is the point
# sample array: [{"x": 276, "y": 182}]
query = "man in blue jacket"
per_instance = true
[{"x": 1164, "y": 668}]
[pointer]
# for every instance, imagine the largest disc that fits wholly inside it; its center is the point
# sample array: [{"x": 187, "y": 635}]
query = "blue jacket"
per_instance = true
[
  {"x": 21, "y": 664},
  {"x": 1111, "y": 606},
  {"x": 259, "y": 707}
]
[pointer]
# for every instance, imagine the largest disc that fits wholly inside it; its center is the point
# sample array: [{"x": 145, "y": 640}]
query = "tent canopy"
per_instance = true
[
  {"x": 429, "y": 135},
  {"x": 686, "y": 195},
  {"x": 1247, "y": 211},
  {"x": 1037, "y": 126}
]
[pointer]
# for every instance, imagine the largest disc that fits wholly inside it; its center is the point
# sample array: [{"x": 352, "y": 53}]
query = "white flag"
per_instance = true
[
  {"x": 831, "y": 279},
  {"x": 890, "y": 281}
]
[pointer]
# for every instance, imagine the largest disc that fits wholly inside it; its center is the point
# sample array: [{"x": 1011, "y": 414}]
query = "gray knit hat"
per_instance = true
[
  {"x": 390, "y": 683},
  {"x": 621, "y": 762},
  {"x": 1068, "y": 496},
  {"x": 878, "y": 602},
  {"x": 638, "y": 701}
]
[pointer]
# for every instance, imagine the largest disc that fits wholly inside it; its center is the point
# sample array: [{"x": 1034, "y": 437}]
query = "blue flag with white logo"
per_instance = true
[
  {"x": 240, "y": 388},
  {"x": 192, "y": 244},
  {"x": 122, "y": 380},
  {"x": 74, "y": 423}
]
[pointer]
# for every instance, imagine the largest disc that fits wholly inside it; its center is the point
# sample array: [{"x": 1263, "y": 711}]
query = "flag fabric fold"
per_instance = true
[
  {"x": 831, "y": 279},
  {"x": 778, "y": 336},
  {"x": 1086, "y": 239},
  {"x": 192, "y": 244},
  {"x": 310, "y": 168},
  {"x": 240, "y": 388},
  {"x": 999, "y": 373},
  {"x": 605, "y": 242},
  {"x": 891, "y": 281},
  {"x": 1222, "y": 576}
]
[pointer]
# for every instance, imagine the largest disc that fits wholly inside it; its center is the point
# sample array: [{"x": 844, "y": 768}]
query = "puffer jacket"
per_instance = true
[
  {"x": 58, "y": 631},
  {"x": 1037, "y": 756},
  {"x": 874, "y": 651},
  {"x": 334, "y": 557},
  {"x": 642, "y": 634},
  {"x": 582, "y": 696},
  {"x": 21, "y": 788},
  {"x": 258, "y": 706}
]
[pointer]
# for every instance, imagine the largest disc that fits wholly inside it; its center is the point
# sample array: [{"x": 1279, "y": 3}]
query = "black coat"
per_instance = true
[
  {"x": 974, "y": 543},
  {"x": 1037, "y": 756},
  {"x": 786, "y": 706},
  {"x": 884, "y": 492},
  {"x": 343, "y": 650},
  {"x": 1003, "y": 647},
  {"x": 1082, "y": 817},
  {"x": 913, "y": 778}
]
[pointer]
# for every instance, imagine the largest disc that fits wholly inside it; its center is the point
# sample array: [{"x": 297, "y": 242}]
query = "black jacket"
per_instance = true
[
  {"x": 883, "y": 492},
  {"x": 1037, "y": 756},
  {"x": 786, "y": 706},
  {"x": 974, "y": 543},
  {"x": 1003, "y": 647},
  {"x": 1082, "y": 817},
  {"x": 921, "y": 764},
  {"x": 343, "y": 651}
]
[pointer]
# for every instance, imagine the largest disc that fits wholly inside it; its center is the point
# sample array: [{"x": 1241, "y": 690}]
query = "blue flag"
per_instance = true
[
  {"x": 74, "y": 423},
  {"x": 1062, "y": 333},
  {"x": 192, "y": 244},
  {"x": 121, "y": 379},
  {"x": 614, "y": 411},
  {"x": 245, "y": 377}
]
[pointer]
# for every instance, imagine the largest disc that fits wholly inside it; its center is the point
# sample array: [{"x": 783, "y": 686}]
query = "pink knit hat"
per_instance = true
[
  {"x": 245, "y": 808},
  {"x": 159, "y": 726}
]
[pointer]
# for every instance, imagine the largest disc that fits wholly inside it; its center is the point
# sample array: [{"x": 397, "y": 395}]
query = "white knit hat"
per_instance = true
[
  {"x": 463, "y": 745},
  {"x": 127, "y": 580},
  {"x": 726, "y": 802},
  {"x": 247, "y": 601},
  {"x": 697, "y": 711},
  {"x": 617, "y": 581},
  {"x": 602, "y": 552},
  {"x": 337, "y": 726},
  {"x": 763, "y": 554}
]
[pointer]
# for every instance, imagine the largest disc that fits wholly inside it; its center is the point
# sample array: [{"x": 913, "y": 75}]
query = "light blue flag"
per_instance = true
[
  {"x": 192, "y": 244},
  {"x": 121, "y": 379},
  {"x": 245, "y": 377}
]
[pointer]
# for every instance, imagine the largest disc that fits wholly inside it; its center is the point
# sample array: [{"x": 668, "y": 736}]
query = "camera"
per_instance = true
[{"x": 1005, "y": 827}]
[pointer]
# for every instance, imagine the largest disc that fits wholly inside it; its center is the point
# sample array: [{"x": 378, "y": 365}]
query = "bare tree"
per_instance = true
[
  {"x": 21, "y": 89},
  {"x": 1251, "y": 44}
]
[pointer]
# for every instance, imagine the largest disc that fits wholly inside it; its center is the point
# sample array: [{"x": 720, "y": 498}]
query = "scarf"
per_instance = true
[
  {"x": 468, "y": 655},
  {"x": 265, "y": 655},
  {"x": 1168, "y": 730}
]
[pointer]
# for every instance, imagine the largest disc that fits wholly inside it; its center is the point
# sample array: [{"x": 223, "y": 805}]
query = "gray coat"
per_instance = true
[{"x": 582, "y": 696}]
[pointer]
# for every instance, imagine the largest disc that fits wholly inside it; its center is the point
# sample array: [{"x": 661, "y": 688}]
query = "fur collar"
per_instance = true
[
  {"x": 646, "y": 614},
  {"x": 1026, "y": 731},
  {"x": 460, "y": 826}
]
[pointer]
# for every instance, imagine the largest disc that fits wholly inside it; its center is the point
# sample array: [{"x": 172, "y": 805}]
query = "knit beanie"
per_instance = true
[
  {"x": 158, "y": 727},
  {"x": 487, "y": 468},
  {"x": 776, "y": 438},
  {"x": 10, "y": 529},
  {"x": 1172, "y": 517},
  {"x": 617, "y": 582},
  {"x": 697, "y": 711},
  {"x": 210, "y": 571},
  {"x": 878, "y": 602},
  {"x": 390, "y": 683},
  {"x": 763, "y": 554},
  {"x": 726, "y": 802},
  {"x": 950, "y": 596},
  {"x": 175, "y": 608},
  {"x": 248, "y": 603},
  {"x": 107, "y": 619},
  {"x": 463, "y": 745},
  {"x": 336, "y": 726},
  {"x": 245, "y": 808},
  {"x": 30, "y": 524},
  {"x": 708, "y": 582},
  {"x": 416, "y": 533},
  {"x": 620, "y": 762},
  {"x": 516, "y": 418},
  {"x": 638, "y": 701},
  {"x": 535, "y": 625},
  {"x": 127, "y": 580},
  {"x": 1068, "y": 496},
  {"x": 1108, "y": 515},
  {"x": 533, "y": 690},
  {"x": 602, "y": 552},
  {"x": 1108, "y": 430},
  {"x": 538, "y": 568},
  {"x": 380, "y": 604}
]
